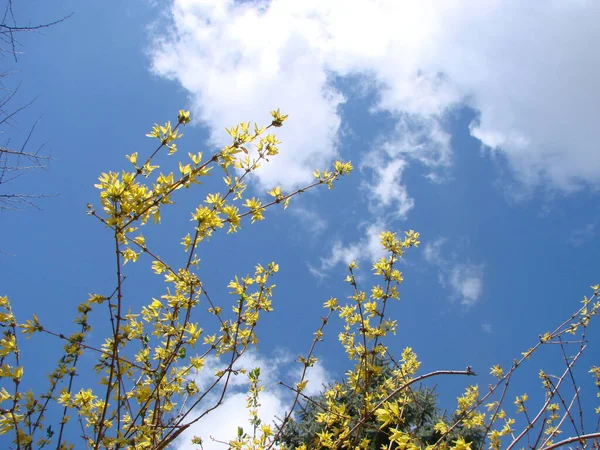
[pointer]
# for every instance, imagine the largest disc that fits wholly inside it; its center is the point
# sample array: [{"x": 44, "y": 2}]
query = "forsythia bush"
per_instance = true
[{"x": 145, "y": 395}]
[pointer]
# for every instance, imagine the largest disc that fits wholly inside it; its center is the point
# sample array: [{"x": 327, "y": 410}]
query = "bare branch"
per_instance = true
[
  {"x": 10, "y": 28},
  {"x": 581, "y": 439},
  {"x": 17, "y": 160}
]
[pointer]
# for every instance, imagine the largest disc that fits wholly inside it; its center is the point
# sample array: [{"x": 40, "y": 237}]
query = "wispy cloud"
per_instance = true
[
  {"x": 341, "y": 253},
  {"x": 463, "y": 278},
  {"x": 582, "y": 235},
  {"x": 433, "y": 251},
  {"x": 387, "y": 192},
  {"x": 311, "y": 219},
  {"x": 466, "y": 281},
  {"x": 368, "y": 248}
]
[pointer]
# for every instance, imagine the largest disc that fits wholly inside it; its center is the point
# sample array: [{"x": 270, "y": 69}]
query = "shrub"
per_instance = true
[{"x": 145, "y": 395}]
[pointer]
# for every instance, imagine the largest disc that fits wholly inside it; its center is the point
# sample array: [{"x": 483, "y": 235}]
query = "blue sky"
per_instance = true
[{"x": 474, "y": 123}]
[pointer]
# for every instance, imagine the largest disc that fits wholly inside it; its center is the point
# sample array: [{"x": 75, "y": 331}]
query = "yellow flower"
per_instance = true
[
  {"x": 8, "y": 345},
  {"x": 278, "y": 118},
  {"x": 460, "y": 444},
  {"x": 132, "y": 158},
  {"x": 497, "y": 371},
  {"x": 441, "y": 427}
]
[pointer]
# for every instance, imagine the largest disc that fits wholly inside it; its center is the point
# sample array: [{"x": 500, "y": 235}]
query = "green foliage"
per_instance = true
[{"x": 420, "y": 415}]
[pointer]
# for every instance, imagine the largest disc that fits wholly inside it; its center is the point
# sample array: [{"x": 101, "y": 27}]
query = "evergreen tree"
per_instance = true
[{"x": 419, "y": 417}]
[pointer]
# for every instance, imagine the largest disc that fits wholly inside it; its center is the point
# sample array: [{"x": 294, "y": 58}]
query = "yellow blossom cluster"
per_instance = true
[{"x": 146, "y": 395}]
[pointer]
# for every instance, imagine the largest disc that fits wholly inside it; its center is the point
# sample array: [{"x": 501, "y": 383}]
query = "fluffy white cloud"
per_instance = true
[
  {"x": 222, "y": 423},
  {"x": 317, "y": 376},
  {"x": 220, "y": 426},
  {"x": 241, "y": 60},
  {"x": 528, "y": 69}
]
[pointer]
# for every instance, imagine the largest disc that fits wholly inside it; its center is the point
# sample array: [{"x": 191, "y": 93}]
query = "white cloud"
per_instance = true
[
  {"x": 313, "y": 221},
  {"x": 432, "y": 251},
  {"x": 368, "y": 248},
  {"x": 317, "y": 272},
  {"x": 222, "y": 423},
  {"x": 388, "y": 191},
  {"x": 248, "y": 361},
  {"x": 533, "y": 78},
  {"x": 241, "y": 60},
  {"x": 486, "y": 327},
  {"x": 585, "y": 234},
  {"x": 528, "y": 68},
  {"x": 422, "y": 139},
  {"x": 466, "y": 281},
  {"x": 317, "y": 376},
  {"x": 342, "y": 254}
]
